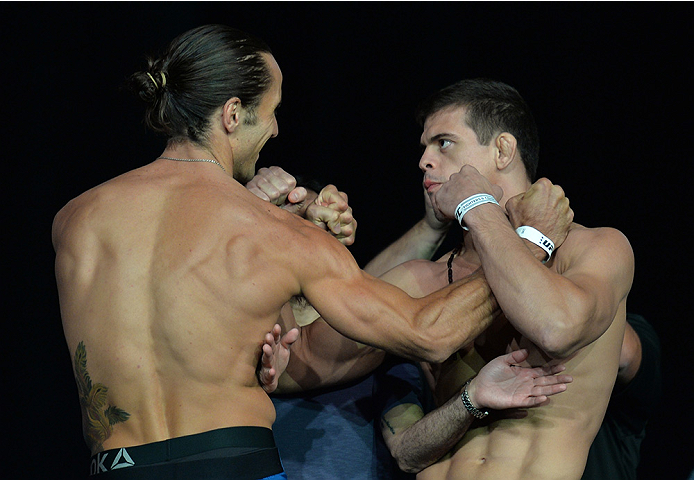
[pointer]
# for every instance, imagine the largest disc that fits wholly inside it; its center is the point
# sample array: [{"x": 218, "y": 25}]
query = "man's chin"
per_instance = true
[{"x": 440, "y": 217}]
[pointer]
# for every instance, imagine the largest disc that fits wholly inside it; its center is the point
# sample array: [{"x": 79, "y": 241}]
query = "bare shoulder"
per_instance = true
[
  {"x": 287, "y": 241},
  {"x": 72, "y": 220},
  {"x": 600, "y": 239},
  {"x": 603, "y": 248},
  {"x": 78, "y": 210}
]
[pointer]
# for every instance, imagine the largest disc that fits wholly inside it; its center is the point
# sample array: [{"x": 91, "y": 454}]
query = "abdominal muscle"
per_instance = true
[
  {"x": 553, "y": 440},
  {"x": 509, "y": 449}
]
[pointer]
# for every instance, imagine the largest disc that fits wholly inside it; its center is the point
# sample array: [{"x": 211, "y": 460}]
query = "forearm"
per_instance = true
[
  {"x": 443, "y": 322},
  {"x": 430, "y": 328},
  {"x": 540, "y": 303},
  {"x": 460, "y": 314},
  {"x": 419, "y": 242},
  {"x": 522, "y": 285},
  {"x": 323, "y": 357},
  {"x": 371, "y": 311},
  {"x": 427, "y": 440}
]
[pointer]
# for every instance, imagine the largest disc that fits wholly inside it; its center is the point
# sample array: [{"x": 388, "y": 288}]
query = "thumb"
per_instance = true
[
  {"x": 517, "y": 356},
  {"x": 290, "y": 337},
  {"x": 513, "y": 201},
  {"x": 297, "y": 195}
]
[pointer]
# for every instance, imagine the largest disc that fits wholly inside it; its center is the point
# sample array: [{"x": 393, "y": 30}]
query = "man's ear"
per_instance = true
[
  {"x": 230, "y": 114},
  {"x": 507, "y": 147}
]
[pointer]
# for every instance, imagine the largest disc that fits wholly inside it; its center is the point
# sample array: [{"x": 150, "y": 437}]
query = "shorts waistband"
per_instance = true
[{"x": 180, "y": 447}]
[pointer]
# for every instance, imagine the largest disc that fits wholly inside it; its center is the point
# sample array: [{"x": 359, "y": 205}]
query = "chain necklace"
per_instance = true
[{"x": 194, "y": 160}]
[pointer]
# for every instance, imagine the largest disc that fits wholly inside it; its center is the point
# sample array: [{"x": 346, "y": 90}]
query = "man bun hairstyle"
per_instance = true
[
  {"x": 492, "y": 107},
  {"x": 199, "y": 71}
]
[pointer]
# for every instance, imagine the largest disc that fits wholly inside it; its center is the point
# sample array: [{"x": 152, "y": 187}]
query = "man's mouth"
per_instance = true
[{"x": 431, "y": 186}]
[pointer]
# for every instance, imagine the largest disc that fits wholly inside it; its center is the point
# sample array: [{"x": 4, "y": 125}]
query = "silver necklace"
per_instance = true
[{"x": 194, "y": 160}]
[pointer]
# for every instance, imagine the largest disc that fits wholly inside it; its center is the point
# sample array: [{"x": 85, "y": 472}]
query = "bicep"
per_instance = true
[
  {"x": 356, "y": 304},
  {"x": 597, "y": 282},
  {"x": 365, "y": 309}
]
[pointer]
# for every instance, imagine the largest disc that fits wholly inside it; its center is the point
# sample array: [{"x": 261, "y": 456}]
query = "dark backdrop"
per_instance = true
[{"x": 609, "y": 83}]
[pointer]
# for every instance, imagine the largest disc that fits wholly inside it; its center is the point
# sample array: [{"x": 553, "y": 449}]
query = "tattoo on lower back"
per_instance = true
[{"x": 98, "y": 418}]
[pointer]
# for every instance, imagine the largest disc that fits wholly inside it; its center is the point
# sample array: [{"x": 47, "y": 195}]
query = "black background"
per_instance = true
[{"x": 609, "y": 84}]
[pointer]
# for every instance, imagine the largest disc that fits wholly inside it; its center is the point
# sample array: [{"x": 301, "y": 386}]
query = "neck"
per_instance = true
[
  {"x": 512, "y": 186},
  {"x": 188, "y": 149}
]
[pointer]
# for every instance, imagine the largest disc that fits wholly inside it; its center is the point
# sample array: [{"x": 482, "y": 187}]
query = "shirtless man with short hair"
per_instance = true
[
  {"x": 170, "y": 275},
  {"x": 571, "y": 309}
]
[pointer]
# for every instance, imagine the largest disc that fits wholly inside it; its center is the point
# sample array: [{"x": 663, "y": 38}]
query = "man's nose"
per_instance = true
[{"x": 427, "y": 162}]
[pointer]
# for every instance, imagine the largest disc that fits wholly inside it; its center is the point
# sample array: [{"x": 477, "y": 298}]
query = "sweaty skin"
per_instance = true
[
  {"x": 171, "y": 275},
  {"x": 571, "y": 309},
  {"x": 552, "y": 441}
]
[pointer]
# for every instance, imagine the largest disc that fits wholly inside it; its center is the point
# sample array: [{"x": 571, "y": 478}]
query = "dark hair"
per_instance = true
[
  {"x": 199, "y": 71},
  {"x": 491, "y": 108}
]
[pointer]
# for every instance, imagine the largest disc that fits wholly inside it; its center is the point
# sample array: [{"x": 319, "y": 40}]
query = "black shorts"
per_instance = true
[{"x": 239, "y": 453}]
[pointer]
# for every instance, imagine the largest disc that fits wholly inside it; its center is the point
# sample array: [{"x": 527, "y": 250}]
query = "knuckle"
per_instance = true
[{"x": 544, "y": 183}]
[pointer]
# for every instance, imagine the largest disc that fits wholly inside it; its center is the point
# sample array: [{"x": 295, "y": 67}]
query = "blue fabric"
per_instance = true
[
  {"x": 329, "y": 434},
  {"x": 279, "y": 476}
]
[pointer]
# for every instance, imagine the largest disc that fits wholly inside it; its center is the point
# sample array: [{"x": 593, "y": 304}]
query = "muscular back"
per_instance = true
[
  {"x": 169, "y": 279},
  {"x": 165, "y": 301}
]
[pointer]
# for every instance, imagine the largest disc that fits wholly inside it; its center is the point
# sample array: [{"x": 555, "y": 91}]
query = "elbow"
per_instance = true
[
  {"x": 436, "y": 345},
  {"x": 441, "y": 352},
  {"x": 434, "y": 349},
  {"x": 557, "y": 350},
  {"x": 405, "y": 465},
  {"x": 425, "y": 353},
  {"x": 559, "y": 339},
  {"x": 408, "y": 468}
]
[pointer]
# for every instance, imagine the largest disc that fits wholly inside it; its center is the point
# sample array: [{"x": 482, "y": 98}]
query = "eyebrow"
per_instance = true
[{"x": 439, "y": 136}]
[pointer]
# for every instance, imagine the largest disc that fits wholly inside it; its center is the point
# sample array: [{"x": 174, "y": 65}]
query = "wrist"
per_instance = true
[
  {"x": 472, "y": 204},
  {"x": 470, "y": 405},
  {"x": 537, "y": 252},
  {"x": 536, "y": 237},
  {"x": 488, "y": 216}
]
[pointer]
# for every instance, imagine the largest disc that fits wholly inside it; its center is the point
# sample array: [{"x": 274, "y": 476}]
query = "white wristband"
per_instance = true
[
  {"x": 470, "y": 203},
  {"x": 535, "y": 236}
]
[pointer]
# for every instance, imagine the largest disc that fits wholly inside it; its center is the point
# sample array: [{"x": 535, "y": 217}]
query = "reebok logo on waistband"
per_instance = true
[{"x": 122, "y": 460}]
